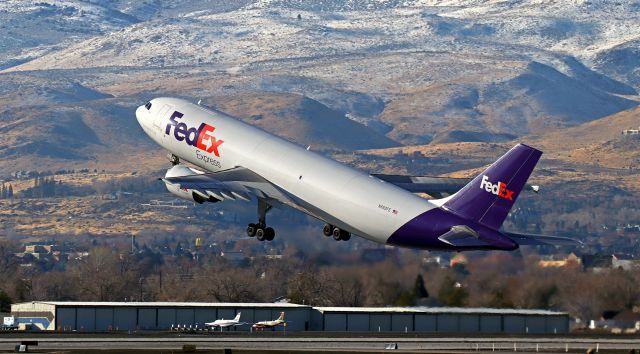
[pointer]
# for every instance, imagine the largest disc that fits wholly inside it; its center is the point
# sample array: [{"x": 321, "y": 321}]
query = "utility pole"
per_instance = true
[{"x": 140, "y": 288}]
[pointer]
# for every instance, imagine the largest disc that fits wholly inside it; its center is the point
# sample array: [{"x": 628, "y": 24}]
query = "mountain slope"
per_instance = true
[
  {"x": 30, "y": 29},
  {"x": 594, "y": 149},
  {"x": 103, "y": 133},
  {"x": 502, "y": 100},
  {"x": 302, "y": 120},
  {"x": 621, "y": 61},
  {"x": 411, "y": 71},
  {"x": 599, "y": 142}
]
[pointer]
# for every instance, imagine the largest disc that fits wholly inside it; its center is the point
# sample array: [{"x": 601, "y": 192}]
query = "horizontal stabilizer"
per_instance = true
[
  {"x": 463, "y": 236},
  {"x": 541, "y": 240}
]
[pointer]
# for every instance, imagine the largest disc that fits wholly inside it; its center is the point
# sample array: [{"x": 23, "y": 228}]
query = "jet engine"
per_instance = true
[{"x": 191, "y": 195}]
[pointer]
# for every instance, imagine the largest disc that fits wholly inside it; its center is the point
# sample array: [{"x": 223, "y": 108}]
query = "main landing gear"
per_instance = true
[
  {"x": 260, "y": 230},
  {"x": 337, "y": 233}
]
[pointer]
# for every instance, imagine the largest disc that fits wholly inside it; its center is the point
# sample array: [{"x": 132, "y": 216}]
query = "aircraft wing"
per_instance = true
[
  {"x": 432, "y": 185},
  {"x": 542, "y": 240},
  {"x": 238, "y": 183}
]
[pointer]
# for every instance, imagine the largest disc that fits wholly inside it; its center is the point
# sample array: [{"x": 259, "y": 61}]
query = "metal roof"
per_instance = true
[
  {"x": 442, "y": 310},
  {"x": 165, "y": 304},
  {"x": 413, "y": 310}
]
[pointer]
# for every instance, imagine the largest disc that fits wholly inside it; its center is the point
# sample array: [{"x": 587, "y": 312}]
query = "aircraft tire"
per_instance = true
[
  {"x": 346, "y": 236},
  {"x": 260, "y": 234},
  {"x": 269, "y": 234},
  {"x": 251, "y": 230},
  {"x": 327, "y": 230},
  {"x": 337, "y": 234}
]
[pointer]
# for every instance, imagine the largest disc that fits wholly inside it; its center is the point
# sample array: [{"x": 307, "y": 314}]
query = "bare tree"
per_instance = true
[{"x": 231, "y": 284}]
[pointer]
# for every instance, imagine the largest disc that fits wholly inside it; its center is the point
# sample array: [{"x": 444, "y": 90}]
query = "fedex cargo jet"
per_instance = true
[{"x": 241, "y": 162}]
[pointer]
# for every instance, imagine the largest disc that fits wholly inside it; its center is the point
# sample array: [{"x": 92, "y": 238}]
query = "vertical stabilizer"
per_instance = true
[
  {"x": 489, "y": 197},
  {"x": 281, "y": 318},
  {"x": 237, "y": 317}
]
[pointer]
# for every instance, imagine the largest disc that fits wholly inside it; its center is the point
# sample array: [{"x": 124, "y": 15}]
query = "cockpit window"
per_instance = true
[{"x": 148, "y": 106}]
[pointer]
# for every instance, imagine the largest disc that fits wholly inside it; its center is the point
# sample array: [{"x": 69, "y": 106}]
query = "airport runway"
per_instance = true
[{"x": 364, "y": 343}]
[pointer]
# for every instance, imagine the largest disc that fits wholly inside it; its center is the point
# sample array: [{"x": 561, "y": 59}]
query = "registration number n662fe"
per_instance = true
[{"x": 388, "y": 209}]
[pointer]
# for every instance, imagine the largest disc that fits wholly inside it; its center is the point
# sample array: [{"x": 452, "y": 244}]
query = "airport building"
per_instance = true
[
  {"x": 126, "y": 316},
  {"x": 439, "y": 319},
  {"x": 119, "y": 316}
]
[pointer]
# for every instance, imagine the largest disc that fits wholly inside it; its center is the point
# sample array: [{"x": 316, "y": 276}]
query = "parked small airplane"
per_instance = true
[
  {"x": 270, "y": 324},
  {"x": 242, "y": 162},
  {"x": 222, "y": 323}
]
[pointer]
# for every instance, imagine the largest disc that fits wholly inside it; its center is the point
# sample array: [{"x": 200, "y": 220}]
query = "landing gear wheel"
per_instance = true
[
  {"x": 340, "y": 235},
  {"x": 327, "y": 230},
  {"x": 269, "y": 234},
  {"x": 251, "y": 230},
  {"x": 337, "y": 234},
  {"x": 175, "y": 160},
  {"x": 260, "y": 234}
]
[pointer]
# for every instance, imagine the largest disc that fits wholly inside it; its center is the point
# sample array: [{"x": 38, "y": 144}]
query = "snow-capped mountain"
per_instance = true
[
  {"x": 191, "y": 32},
  {"x": 417, "y": 71}
]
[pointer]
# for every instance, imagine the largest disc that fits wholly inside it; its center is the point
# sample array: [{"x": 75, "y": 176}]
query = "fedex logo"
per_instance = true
[
  {"x": 499, "y": 189},
  {"x": 201, "y": 137}
]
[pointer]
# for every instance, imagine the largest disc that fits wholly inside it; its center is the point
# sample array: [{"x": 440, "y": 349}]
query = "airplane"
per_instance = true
[
  {"x": 270, "y": 324},
  {"x": 222, "y": 323},
  {"x": 242, "y": 162}
]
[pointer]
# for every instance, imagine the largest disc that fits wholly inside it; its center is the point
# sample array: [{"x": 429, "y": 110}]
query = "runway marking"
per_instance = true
[{"x": 213, "y": 338}]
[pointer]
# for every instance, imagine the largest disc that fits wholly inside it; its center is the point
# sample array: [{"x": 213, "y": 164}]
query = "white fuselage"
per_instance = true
[
  {"x": 268, "y": 324},
  {"x": 222, "y": 323},
  {"x": 322, "y": 187}
]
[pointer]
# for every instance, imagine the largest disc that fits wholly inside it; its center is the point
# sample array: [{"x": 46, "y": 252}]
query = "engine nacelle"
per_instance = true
[{"x": 191, "y": 195}]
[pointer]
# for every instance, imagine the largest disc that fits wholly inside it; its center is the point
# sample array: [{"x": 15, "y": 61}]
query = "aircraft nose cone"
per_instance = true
[{"x": 141, "y": 113}]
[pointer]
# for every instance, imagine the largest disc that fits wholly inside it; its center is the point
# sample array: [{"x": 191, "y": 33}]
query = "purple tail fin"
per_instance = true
[{"x": 489, "y": 197}]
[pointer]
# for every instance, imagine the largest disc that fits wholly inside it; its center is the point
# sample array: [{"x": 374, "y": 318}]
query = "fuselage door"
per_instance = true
[{"x": 162, "y": 119}]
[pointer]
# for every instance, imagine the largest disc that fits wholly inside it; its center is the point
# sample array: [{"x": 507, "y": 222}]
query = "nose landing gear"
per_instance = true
[{"x": 175, "y": 160}]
